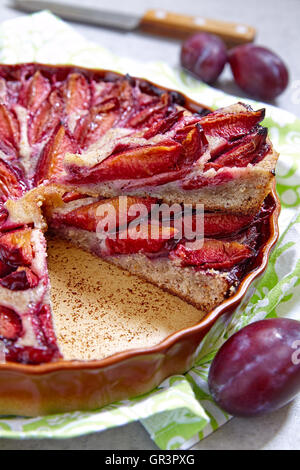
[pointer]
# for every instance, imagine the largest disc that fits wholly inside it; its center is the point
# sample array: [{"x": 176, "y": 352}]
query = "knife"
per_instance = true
[{"x": 158, "y": 22}]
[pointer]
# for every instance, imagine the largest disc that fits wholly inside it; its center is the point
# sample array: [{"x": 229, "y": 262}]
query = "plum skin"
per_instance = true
[
  {"x": 254, "y": 373},
  {"x": 204, "y": 55},
  {"x": 258, "y": 71}
]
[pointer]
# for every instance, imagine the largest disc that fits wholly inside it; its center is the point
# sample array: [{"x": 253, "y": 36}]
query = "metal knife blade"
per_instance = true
[{"x": 84, "y": 14}]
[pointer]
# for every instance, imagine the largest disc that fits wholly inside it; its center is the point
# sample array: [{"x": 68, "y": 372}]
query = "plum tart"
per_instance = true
[{"x": 75, "y": 143}]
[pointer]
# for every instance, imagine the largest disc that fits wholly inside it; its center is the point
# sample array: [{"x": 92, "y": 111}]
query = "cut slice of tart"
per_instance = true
[
  {"x": 201, "y": 271},
  {"x": 26, "y": 329},
  {"x": 223, "y": 160}
]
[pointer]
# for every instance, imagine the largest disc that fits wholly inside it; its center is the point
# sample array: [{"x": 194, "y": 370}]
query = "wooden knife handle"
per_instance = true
[{"x": 169, "y": 24}]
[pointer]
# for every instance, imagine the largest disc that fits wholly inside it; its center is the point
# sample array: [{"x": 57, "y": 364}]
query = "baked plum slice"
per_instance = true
[
  {"x": 11, "y": 183},
  {"x": 218, "y": 224},
  {"x": 138, "y": 162},
  {"x": 249, "y": 149},
  {"x": 10, "y": 324},
  {"x": 231, "y": 125},
  {"x": 16, "y": 248},
  {"x": 147, "y": 238},
  {"x": 193, "y": 141},
  {"x": 3, "y": 214},
  {"x": 214, "y": 254},
  {"x": 9, "y": 130},
  {"x": 91, "y": 127},
  {"x": 43, "y": 348},
  {"x": 46, "y": 118},
  {"x": 5, "y": 269},
  {"x": 32, "y": 355},
  {"x": 150, "y": 113},
  {"x": 16, "y": 255},
  {"x": 164, "y": 125},
  {"x": 51, "y": 160},
  {"x": 77, "y": 98},
  {"x": 122, "y": 211},
  {"x": 21, "y": 279},
  {"x": 34, "y": 92}
]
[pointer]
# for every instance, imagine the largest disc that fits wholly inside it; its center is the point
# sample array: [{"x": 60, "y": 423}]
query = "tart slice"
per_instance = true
[
  {"x": 26, "y": 328},
  {"x": 202, "y": 271},
  {"x": 223, "y": 160}
]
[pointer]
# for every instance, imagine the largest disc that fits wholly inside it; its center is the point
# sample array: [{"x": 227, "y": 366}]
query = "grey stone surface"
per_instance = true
[{"x": 277, "y": 23}]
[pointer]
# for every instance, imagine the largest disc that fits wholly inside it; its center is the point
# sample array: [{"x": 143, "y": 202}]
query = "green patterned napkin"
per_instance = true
[{"x": 180, "y": 411}]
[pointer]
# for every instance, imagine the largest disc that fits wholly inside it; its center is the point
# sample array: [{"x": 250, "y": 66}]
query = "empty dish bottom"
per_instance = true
[{"x": 100, "y": 309}]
